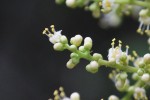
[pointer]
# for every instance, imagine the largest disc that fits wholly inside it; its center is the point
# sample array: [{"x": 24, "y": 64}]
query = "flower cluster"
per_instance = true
[
  {"x": 60, "y": 95},
  {"x": 117, "y": 59},
  {"x": 144, "y": 20}
]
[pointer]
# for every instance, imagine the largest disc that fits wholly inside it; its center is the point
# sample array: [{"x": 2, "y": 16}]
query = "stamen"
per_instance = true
[
  {"x": 120, "y": 43},
  {"x": 47, "y": 32},
  {"x": 108, "y": 4},
  {"x": 56, "y": 97},
  {"x": 113, "y": 42},
  {"x": 127, "y": 48},
  {"x": 113, "y": 39},
  {"x": 62, "y": 93},
  {"x": 139, "y": 30},
  {"x": 53, "y": 28},
  {"x": 147, "y": 31},
  {"x": 55, "y": 92},
  {"x": 100, "y": 3},
  {"x": 134, "y": 53}
]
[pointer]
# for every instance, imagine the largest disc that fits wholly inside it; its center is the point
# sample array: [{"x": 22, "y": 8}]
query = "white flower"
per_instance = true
[
  {"x": 115, "y": 53},
  {"x": 144, "y": 20},
  {"x": 107, "y": 5},
  {"x": 55, "y": 37},
  {"x": 139, "y": 94}
]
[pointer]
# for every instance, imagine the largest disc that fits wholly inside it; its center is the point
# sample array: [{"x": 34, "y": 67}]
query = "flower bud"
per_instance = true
[
  {"x": 59, "y": 1},
  {"x": 82, "y": 49},
  {"x": 97, "y": 56},
  {"x": 146, "y": 58},
  {"x": 73, "y": 48},
  {"x": 123, "y": 76},
  {"x": 135, "y": 76},
  {"x": 75, "y": 60},
  {"x": 88, "y": 43},
  {"x": 145, "y": 77},
  {"x": 70, "y": 64},
  {"x": 77, "y": 40},
  {"x": 75, "y": 96},
  {"x": 131, "y": 88},
  {"x": 74, "y": 55},
  {"x": 119, "y": 84},
  {"x": 140, "y": 72},
  {"x": 93, "y": 7},
  {"x": 58, "y": 47},
  {"x": 96, "y": 13},
  {"x": 63, "y": 39},
  {"x": 70, "y": 3},
  {"x": 143, "y": 12},
  {"x": 123, "y": 56},
  {"x": 92, "y": 67},
  {"x": 113, "y": 97}
]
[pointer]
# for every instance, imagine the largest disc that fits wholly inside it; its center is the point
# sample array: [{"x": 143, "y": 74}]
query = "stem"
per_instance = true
[
  {"x": 87, "y": 56},
  {"x": 134, "y": 2},
  {"x": 130, "y": 69}
]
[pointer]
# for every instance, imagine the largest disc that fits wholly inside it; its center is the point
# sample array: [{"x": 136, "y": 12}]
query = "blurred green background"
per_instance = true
[{"x": 29, "y": 67}]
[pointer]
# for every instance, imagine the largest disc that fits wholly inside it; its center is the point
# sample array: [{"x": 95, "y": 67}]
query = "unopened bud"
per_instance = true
[
  {"x": 63, "y": 39},
  {"x": 75, "y": 96},
  {"x": 146, "y": 58},
  {"x": 58, "y": 47},
  {"x": 70, "y": 64}
]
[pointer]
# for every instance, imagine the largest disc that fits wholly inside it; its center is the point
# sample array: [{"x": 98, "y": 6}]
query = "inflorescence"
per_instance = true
[
  {"x": 117, "y": 59},
  {"x": 111, "y": 12}
]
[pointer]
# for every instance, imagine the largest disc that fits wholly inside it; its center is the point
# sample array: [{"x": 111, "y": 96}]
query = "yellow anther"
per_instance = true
[
  {"x": 56, "y": 97},
  {"x": 46, "y": 29},
  {"x": 112, "y": 43},
  {"x": 135, "y": 54},
  {"x": 44, "y": 32},
  {"x": 100, "y": 3},
  {"x": 146, "y": 31},
  {"x": 61, "y": 89},
  {"x": 62, "y": 94},
  {"x": 127, "y": 46},
  {"x": 139, "y": 30},
  {"x": 110, "y": 75},
  {"x": 120, "y": 41},
  {"x": 108, "y": 4},
  {"x": 52, "y": 28},
  {"x": 113, "y": 39},
  {"x": 55, "y": 92}
]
